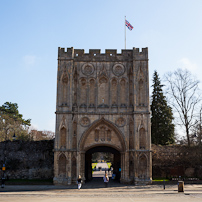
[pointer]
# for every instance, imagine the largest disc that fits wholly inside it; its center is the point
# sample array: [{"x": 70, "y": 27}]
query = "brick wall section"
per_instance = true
[{"x": 28, "y": 160}]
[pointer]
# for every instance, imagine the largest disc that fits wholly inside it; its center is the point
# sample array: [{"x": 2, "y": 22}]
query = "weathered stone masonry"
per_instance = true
[
  {"x": 174, "y": 161},
  {"x": 34, "y": 160},
  {"x": 28, "y": 160},
  {"x": 102, "y": 103}
]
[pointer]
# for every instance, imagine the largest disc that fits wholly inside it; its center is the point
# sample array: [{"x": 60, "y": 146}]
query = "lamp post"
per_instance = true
[{"x": 14, "y": 137}]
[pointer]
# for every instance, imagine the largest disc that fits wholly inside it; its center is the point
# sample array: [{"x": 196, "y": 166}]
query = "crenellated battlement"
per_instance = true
[
  {"x": 71, "y": 53},
  {"x": 65, "y": 54},
  {"x": 137, "y": 55}
]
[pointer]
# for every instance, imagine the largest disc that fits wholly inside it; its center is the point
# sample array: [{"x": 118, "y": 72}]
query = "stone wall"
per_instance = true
[
  {"x": 28, "y": 160},
  {"x": 175, "y": 161},
  {"x": 34, "y": 160}
]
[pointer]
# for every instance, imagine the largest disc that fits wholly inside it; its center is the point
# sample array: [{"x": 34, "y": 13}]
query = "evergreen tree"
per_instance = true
[
  {"x": 11, "y": 109},
  {"x": 12, "y": 122},
  {"x": 162, "y": 128}
]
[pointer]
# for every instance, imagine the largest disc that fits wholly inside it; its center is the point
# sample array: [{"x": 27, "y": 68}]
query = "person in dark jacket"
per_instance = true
[{"x": 79, "y": 182}]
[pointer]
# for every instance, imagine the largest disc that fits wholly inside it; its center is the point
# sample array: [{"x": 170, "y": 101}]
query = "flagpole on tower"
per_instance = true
[
  {"x": 129, "y": 26},
  {"x": 125, "y": 31}
]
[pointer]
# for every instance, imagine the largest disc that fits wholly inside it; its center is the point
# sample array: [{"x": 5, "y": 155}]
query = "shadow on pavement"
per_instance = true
[{"x": 95, "y": 183}]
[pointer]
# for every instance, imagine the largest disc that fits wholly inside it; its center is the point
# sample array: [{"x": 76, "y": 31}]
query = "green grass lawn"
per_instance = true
[
  {"x": 93, "y": 165},
  {"x": 109, "y": 164},
  {"x": 160, "y": 180}
]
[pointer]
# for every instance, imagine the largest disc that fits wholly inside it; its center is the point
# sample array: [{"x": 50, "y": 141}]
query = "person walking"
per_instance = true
[
  {"x": 79, "y": 182},
  {"x": 106, "y": 179}
]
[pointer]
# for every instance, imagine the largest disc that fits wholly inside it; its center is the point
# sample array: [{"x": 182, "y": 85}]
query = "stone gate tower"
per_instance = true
[{"x": 102, "y": 105}]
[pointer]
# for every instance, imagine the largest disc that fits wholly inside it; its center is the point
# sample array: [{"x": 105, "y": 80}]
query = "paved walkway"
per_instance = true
[
  {"x": 100, "y": 172},
  {"x": 95, "y": 190}
]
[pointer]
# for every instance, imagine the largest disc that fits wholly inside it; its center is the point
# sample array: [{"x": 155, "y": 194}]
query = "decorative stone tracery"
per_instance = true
[
  {"x": 102, "y": 101},
  {"x": 120, "y": 122},
  {"x": 85, "y": 121},
  {"x": 118, "y": 69},
  {"x": 87, "y": 69}
]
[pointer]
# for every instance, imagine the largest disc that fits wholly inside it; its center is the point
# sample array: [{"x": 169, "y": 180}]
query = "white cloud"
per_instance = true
[
  {"x": 29, "y": 61},
  {"x": 187, "y": 64}
]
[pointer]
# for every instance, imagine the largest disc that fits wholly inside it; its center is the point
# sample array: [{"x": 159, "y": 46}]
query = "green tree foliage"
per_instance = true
[
  {"x": 162, "y": 128},
  {"x": 11, "y": 121}
]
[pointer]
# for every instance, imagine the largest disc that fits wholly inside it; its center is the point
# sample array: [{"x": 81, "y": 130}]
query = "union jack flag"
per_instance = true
[{"x": 130, "y": 27}]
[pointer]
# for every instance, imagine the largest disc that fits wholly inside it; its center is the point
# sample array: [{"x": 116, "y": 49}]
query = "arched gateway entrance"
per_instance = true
[
  {"x": 116, "y": 161},
  {"x": 102, "y": 104},
  {"x": 102, "y": 136}
]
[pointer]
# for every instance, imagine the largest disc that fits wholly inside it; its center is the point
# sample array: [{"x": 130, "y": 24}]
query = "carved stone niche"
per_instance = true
[
  {"x": 118, "y": 69},
  {"x": 120, "y": 122},
  {"x": 87, "y": 69},
  {"x": 102, "y": 134},
  {"x": 85, "y": 121},
  {"x": 65, "y": 77},
  {"x": 83, "y": 82},
  {"x": 96, "y": 135}
]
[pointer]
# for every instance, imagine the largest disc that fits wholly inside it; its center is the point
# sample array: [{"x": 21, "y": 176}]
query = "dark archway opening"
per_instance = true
[{"x": 116, "y": 164}]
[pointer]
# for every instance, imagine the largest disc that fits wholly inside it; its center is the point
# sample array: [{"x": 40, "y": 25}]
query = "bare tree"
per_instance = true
[
  {"x": 198, "y": 128},
  {"x": 184, "y": 97}
]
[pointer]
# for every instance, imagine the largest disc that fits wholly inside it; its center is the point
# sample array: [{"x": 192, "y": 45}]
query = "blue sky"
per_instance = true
[{"x": 32, "y": 31}]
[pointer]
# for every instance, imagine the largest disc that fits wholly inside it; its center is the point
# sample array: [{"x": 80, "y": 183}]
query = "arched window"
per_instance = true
[
  {"x": 142, "y": 138},
  {"x": 123, "y": 94},
  {"x": 62, "y": 166},
  {"x": 92, "y": 93},
  {"x": 131, "y": 92},
  {"x": 74, "y": 168},
  {"x": 64, "y": 80},
  {"x": 141, "y": 95},
  {"x": 103, "y": 91},
  {"x": 131, "y": 166},
  {"x": 75, "y": 88},
  {"x": 83, "y": 91},
  {"x": 74, "y": 138},
  {"x": 131, "y": 135},
  {"x": 63, "y": 137},
  {"x": 102, "y": 133},
  {"x": 114, "y": 91},
  {"x": 142, "y": 167},
  {"x": 108, "y": 135}
]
